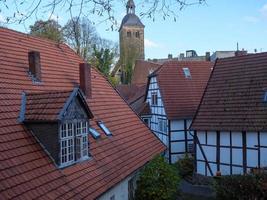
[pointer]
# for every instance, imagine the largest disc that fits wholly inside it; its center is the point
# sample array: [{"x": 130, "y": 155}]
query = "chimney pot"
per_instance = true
[
  {"x": 85, "y": 79},
  {"x": 35, "y": 64}
]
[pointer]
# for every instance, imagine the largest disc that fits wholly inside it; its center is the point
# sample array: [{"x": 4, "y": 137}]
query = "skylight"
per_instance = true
[
  {"x": 265, "y": 96},
  {"x": 94, "y": 133},
  {"x": 104, "y": 128},
  {"x": 187, "y": 73}
]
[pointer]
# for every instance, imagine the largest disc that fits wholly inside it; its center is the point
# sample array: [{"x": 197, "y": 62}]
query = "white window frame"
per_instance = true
[
  {"x": 162, "y": 125},
  {"x": 75, "y": 140},
  {"x": 154, "y": 98}
]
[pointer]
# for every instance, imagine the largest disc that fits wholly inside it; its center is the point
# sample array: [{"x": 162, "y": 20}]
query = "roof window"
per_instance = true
[
  {"x": 265, "y": 96},
  {"x": 104, "y": 128},
  {"x": 187, "y": 73},
  {"x": 94, "y": 133}
]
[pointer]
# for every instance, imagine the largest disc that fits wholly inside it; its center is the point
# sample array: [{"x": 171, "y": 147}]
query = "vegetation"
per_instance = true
[
  {"x": 185, "y": 166},
  {"x": 241, "y": 187},
  {"x": 158, "y": 181},
  {"x": 47, "y": 29}
]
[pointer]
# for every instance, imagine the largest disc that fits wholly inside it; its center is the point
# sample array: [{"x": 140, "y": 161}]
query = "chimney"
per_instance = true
[
  {"x": 181, "y": 56},
  {"x": 207, "y": 56},
  {"x": 85, "y": 79},
  {"x": 35, "y": 64},
  {"x": 169, "y": 56}
]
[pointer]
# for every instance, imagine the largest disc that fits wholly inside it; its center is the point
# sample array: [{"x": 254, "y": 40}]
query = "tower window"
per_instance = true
[
  {"x": 137, "y": 34},
  {"x": 129, "y": 34}
]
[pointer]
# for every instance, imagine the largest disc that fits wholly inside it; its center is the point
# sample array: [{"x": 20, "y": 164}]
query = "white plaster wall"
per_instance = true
[
  {"x": 120, "y": 191},
  {"x": 263, "y": 151}
]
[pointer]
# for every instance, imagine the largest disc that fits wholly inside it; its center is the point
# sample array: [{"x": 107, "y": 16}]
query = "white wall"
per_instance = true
[
  {"x": 179, "y": 140},
  {"x": 120, "y": 191},
  {"x": 157, "y": 111},
  {"x": 231, "y": 152}
]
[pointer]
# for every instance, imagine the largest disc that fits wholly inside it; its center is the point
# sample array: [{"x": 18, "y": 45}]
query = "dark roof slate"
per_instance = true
[
  {"x": 131, "y": 20},
  {"x": 233, "y": 100}
]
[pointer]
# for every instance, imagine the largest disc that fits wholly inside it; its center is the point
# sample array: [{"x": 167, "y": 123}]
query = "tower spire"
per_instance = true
[{"x": 130, "y": 6}]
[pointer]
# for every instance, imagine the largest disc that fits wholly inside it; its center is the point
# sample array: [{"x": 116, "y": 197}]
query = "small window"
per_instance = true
[
  {"x": 162, "y": 125},
  {"x": 187, "y": 73},
  {"x": 137, "y": 34},
  {"x": 147, "y": 121},
  {"x": 94, "y": 133},
  {"x": 129, "y": 34},
  {"x": 190, "y": 148},
  {"x": 104, "y": 128},
  {"x": 154, "y": 98}
]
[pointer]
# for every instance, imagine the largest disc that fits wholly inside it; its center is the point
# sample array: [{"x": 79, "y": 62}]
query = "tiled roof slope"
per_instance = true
[
  {"x": 141, "y": 71},
  {"x": 182, "y": 95},
  {"x": 233, "y": 99},
  {"x": 45, "y": 106},
  {"x": 26, "y": 171}
]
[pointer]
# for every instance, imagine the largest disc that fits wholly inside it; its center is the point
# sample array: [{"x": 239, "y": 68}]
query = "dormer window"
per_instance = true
[
  {"x": 60, "y": 121},
  {"x": 104, "y": 128}
]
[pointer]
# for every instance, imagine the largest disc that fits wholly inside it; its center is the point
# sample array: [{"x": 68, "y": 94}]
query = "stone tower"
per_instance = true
[{"x": 131, "y": 41}]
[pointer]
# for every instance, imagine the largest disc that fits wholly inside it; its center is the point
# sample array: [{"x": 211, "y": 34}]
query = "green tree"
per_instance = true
[
  {"x": 102, "y": 60},
  {"x": 49, "y": 29},
  {"x": 158, "y": 181}
]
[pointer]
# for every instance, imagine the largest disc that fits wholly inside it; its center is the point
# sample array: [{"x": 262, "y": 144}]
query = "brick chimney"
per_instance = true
[
  {"x": 35, "y": 64},
  {"x": 85, "y": 79},
  {"x": 207, "y": 56}
]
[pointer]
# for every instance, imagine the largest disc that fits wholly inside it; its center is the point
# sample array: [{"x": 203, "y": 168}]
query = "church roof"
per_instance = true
[{"x": 131, "y": 20}]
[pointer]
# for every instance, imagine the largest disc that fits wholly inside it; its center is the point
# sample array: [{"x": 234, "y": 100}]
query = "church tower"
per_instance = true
[{"x": 131, "y": 42}]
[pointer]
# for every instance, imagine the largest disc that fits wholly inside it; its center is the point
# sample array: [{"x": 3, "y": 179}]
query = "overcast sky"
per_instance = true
[{"x": 219, "y": 25}]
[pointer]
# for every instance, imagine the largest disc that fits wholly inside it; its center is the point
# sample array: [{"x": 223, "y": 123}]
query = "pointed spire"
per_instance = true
[{"x": 130, "y": 6}]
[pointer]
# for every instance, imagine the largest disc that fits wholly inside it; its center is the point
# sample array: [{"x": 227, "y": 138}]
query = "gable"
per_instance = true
[{"x": 75, "y": 110}]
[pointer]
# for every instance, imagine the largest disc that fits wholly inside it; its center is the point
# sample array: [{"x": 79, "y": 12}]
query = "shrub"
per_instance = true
[
  {"x": 185, "y": 166},
  {"x": 241, "y": 187},
  {"x": 158, "y": 181}
]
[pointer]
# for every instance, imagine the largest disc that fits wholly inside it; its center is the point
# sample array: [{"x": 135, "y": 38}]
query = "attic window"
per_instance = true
[
  {"x": 73, "y": 142},
  {"x": 104, "y": 128},
  {"x": 187, "y": 73},
  {"x": 94, "y": 133},
  {"x": 137, "y": 34}
]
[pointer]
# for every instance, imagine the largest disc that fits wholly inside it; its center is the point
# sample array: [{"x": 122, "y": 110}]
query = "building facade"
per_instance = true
[
  {"x": 230, "y": 125},
  {"x": 173, "y": 93}
]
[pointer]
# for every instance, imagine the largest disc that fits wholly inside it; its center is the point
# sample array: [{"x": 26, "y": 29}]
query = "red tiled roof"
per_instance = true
[
  {"x": 134, "y": 95},
  {"x": 142, "y": 69},
  {"x": 181, "y": 95},
  {"x": 26, "y": 171},
  {"x": 233, "y": 100},
  {"x": 45, "y": 106}
]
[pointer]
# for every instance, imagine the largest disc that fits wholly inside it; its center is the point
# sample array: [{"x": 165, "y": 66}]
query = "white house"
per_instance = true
[
  {"x": 230, "y": 125},
  {"x": 173, "y": 94}
]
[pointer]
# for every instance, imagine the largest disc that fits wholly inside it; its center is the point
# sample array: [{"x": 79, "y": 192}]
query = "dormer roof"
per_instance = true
[{"x": 49, "y": 106}]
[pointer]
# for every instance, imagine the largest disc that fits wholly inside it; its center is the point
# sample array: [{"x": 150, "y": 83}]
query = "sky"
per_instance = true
[{"x": 215, "y": 26}]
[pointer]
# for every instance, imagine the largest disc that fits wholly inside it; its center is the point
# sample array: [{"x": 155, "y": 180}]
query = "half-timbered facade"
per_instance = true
[
  {"x": 173, "y": 93},
  {"x": 230, "y": 126}
]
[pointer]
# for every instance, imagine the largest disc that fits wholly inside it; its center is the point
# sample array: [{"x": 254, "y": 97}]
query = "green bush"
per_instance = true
[
  {"x": 241, "y": 187},
  {"x": 158, "y": 181},
  {"x": 185, "y": 166}
]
